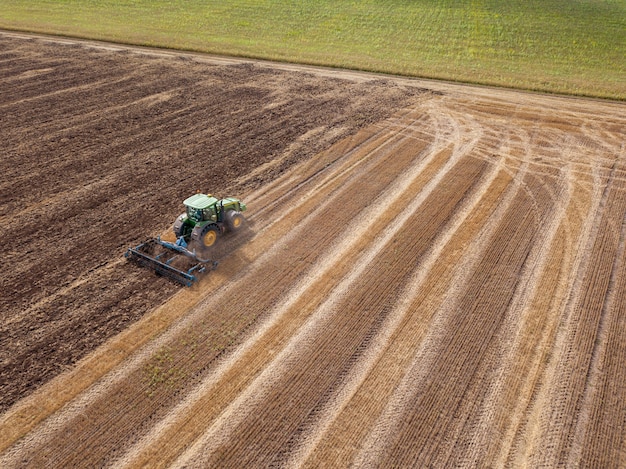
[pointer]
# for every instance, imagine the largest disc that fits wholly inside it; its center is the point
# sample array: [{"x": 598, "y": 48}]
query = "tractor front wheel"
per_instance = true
[
  {"x": 208, "y": 236},
  {"x": 234, "y": 220}
]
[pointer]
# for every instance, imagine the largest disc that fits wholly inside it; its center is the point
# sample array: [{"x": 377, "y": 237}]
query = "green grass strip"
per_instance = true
[{"x": 564, "y": 46}]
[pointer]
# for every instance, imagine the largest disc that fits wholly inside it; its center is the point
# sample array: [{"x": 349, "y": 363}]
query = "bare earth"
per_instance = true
[{"x": 432, "y": 274}]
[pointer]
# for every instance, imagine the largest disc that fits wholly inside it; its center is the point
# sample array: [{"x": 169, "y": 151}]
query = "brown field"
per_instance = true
[{"x": 433, "y": 275}]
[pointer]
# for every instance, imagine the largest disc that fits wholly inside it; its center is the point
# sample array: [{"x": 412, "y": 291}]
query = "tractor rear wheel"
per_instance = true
[
  {"x": 179, "y": 225},
  {"x": 234, "y": 220}
]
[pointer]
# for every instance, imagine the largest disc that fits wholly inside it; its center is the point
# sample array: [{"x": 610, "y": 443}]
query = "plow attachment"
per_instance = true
[{"x": 171, "y": 260}]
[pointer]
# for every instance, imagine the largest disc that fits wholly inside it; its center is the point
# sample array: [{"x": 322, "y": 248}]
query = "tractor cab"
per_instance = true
[{"x": 201, "y": 207}]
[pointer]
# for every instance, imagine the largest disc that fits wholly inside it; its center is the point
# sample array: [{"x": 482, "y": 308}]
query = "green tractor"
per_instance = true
[
  {"x": 204, "y": 221},
  {"x": 206, "y": 218}
]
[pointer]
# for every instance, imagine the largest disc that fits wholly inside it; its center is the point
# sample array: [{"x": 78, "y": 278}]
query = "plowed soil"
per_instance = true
[{"x": 431, "y": 275}]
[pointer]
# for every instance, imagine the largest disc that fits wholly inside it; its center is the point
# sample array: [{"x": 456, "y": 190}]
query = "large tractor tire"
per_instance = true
[
  {"x": 234, "y": 220},
  {"x": 208, "y": 236}
]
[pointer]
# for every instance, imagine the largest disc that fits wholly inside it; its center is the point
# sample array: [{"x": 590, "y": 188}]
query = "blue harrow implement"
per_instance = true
[{"x": 171, "y": 260}]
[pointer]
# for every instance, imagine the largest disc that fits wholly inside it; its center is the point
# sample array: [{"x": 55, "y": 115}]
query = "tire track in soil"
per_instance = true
[
  {"x": 493, "y": 436},
  {"x": 598, "y": 441},
  {"x": 368, "y": 302},
  {"x": 430, "y": 404},
  {"x": 532, "y": 338},
  {"x": 348, "y": 429},
  {"x": 321, "y": 419},
  {"x": 376, "y": 391},
  {"x": 333, "y": 449},
  {"x": 303, "y": 249},
  {"x": 571, "y": 377},
  {"x": 488, "y": 410},
  {"x": 526, "y": 442},
  {"x": 476, "y": 430}
]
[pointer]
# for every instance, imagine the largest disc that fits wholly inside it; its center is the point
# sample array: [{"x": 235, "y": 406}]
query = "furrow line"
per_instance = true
[
  {"x": 485, "y": 406},
  {"x": 336, "y": 161},
  {"x": 348, "y": 429},
  {"x": 416, "y": 374},
  {"x": 597, "y": 441},
  {"x": 575, "y": 344},
  {"x": 378, "y": 344}
]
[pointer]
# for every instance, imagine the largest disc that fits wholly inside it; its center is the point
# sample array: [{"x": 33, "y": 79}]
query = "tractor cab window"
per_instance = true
[
  {"x": 208, "y": 213},
  {"x": 194, "y": 214}
]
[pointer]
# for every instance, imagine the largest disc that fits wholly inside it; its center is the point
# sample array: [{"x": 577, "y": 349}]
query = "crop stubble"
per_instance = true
[{"x": 444, "y": 287}]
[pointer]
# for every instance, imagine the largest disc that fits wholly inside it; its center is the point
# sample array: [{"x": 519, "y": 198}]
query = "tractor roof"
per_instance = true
[{"x": 200, "y": 201}]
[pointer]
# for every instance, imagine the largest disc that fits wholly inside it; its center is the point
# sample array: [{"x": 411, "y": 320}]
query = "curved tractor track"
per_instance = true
[{"x": 445, "y": 287}]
